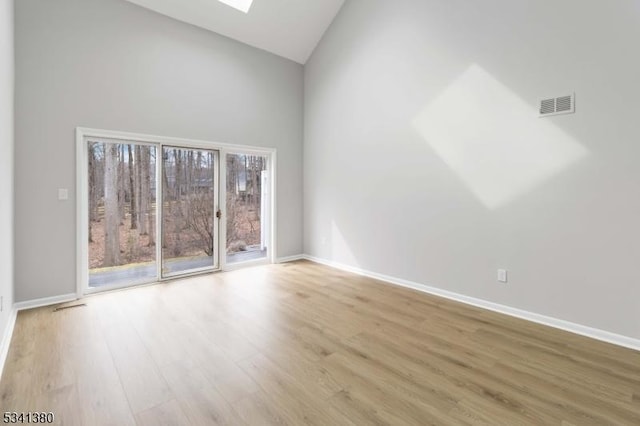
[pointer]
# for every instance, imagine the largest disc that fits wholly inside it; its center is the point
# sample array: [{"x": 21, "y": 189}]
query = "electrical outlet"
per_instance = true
[{"x": 502, "y": 275}]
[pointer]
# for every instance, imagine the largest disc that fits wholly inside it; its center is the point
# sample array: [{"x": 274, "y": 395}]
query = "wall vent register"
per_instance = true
[{"x": 560, "y": 105}]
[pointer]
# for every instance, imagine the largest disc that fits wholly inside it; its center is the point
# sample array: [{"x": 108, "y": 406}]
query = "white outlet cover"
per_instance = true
[
  {"x": 502, "y": 275},
  {"x": 63, "y": 194}
]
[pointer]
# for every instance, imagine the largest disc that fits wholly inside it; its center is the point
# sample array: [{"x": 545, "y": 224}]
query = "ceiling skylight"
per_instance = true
[{"x": 242, "y": 5}]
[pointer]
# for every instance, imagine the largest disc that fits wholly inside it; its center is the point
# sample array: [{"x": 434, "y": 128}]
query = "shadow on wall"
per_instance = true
[{"x": 493, "y": 140}]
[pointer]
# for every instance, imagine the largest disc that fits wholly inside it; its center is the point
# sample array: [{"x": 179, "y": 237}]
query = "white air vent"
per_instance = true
[{"x": 560, "y": 105}]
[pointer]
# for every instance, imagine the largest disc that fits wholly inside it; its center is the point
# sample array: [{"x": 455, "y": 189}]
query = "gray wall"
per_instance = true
[
  {"x": 424, "y": 158},
  {"x": 110, "y": 64},
  {"x": 6, "y": 160}
]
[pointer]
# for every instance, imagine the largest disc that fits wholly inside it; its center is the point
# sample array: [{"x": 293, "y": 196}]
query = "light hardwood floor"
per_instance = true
[{"x": 302, "y": 343}]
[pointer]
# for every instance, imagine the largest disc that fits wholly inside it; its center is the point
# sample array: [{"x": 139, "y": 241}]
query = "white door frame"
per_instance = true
[{"x": 82, "y": 198}]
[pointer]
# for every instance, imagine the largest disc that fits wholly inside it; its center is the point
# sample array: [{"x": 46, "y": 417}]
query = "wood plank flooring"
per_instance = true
[{"x": 302, "y": 343}]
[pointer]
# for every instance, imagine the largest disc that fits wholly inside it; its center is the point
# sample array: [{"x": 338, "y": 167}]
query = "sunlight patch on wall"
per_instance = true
[
  {"x": 241, "y": 5},
  {"x": 493, "y": 140},
  {"x": 340, "y": 249}
]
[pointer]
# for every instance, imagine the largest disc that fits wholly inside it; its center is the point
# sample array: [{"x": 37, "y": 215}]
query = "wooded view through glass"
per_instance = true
[
  {"x": 247, "y": 207},
  {"x": 134, "y": 238},
  {"x": 188, "y": 216},
  {"x": 122, "y": 220}
]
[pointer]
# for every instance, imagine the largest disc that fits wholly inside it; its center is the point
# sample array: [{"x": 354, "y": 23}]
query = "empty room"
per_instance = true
[{"x": 323, "y": 212}]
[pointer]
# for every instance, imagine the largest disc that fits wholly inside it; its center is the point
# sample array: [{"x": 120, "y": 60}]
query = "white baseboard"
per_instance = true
[
  {"x": 290, "y": 258},
  {"x": 594, "y": 333},
  {"x": 45, "y": 301},
  {"x": 6, "y": 338}
]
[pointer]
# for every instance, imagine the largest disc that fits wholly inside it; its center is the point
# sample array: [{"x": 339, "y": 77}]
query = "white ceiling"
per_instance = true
[{"x": 289, "y": 28}]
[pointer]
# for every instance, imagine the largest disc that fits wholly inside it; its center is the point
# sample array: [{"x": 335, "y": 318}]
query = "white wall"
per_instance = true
[
  {"x": 6, "y": 161},
  {"x": 110, "y": 64},
  {"x": 424, "y": 158}
]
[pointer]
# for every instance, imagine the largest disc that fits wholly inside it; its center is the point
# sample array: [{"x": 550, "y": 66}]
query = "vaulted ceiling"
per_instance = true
[{"x": 288, "y": 28}]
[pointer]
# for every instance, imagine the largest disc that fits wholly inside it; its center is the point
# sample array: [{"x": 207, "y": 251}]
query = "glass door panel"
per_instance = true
[
  {"x": 189, "y": 223},
  {"x": 121, "y": 209},
  {"x": 247, "y": 207}
]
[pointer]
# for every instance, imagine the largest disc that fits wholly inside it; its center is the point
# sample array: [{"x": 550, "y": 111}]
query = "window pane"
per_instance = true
[
  {"x": 121, "y": 209},
  {"x": 188, "y": 214},
  {"x": 247, "y": 207}
]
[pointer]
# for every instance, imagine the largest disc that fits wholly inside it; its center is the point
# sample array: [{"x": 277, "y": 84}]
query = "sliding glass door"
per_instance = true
[
  {"x": 151, "y": 208},
  {"x": 148, "y": 217},
  {"x": 189, "y": 222}
]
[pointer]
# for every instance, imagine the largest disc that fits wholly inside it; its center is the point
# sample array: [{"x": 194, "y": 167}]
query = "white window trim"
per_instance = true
[{"x": 82, "y": 198}]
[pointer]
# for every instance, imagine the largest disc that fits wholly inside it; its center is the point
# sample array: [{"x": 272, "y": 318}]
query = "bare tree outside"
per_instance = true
[
  {"x": 188, "y": 210},
  {"x": 122, "y": 204},
  {"x": 244, "y": 201},
  {"x": 118, "y": 188},
  {"x": 111, "y": 210}
]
